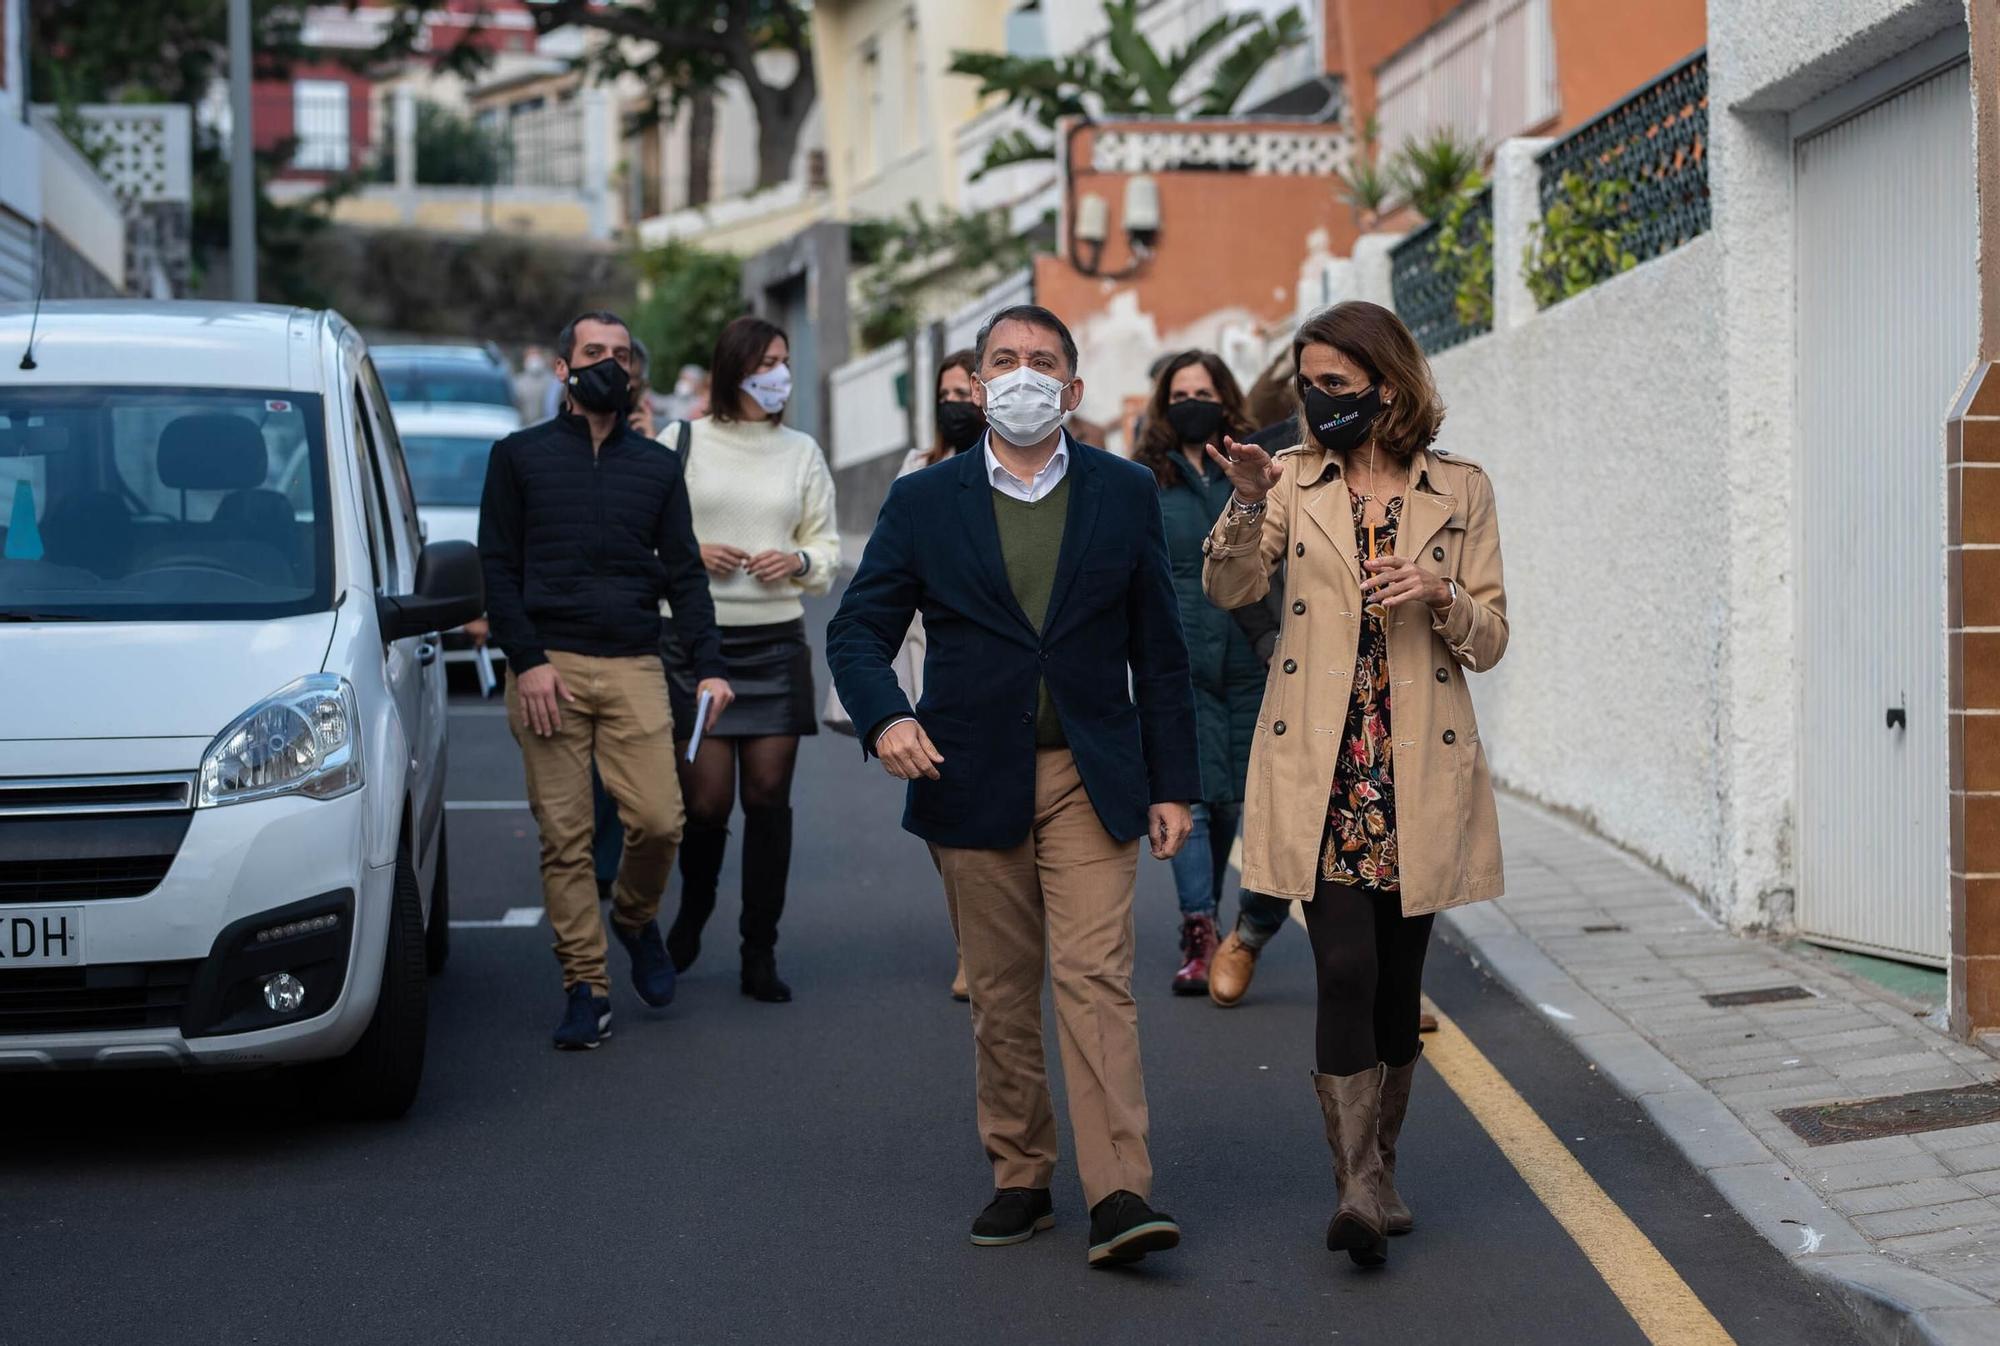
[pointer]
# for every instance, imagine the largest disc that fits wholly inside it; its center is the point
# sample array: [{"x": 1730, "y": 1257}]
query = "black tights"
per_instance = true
[
  {"x": 759, "y": 770},
  {"x": 1370, "y": 961},
  {"x": 709, "y": 783}
]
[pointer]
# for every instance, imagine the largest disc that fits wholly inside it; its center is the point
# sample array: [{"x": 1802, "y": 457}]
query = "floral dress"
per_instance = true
[{"x": 1360, "y": 847}]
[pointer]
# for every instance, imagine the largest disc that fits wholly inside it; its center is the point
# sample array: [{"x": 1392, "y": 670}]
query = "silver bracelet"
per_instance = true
[{"x": 1242, "y": 510}]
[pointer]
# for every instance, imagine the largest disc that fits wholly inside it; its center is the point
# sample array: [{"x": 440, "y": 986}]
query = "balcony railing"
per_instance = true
[
  {"x": 1656, "y": 142},
  {"x": 1434, "y": 295}
]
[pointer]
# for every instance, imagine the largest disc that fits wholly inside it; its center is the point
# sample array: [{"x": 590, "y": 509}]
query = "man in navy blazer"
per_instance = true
[{"x": 1056, "y": 730}]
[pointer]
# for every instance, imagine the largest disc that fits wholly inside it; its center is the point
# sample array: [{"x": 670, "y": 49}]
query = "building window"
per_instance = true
[
  {"x": 1027, "y": 30},
  {"x": 868, "y": 132},
  {"x": 320, "y": 125},
  {"x": 915, "y": 126}
]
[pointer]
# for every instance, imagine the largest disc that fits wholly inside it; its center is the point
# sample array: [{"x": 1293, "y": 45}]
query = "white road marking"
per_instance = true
[
  {"x": 517, "y": 918},
  {"x": 496, "y": 711},
  {"x": 486, "y": 805},
  {"x": 1555, "y": 1013}
]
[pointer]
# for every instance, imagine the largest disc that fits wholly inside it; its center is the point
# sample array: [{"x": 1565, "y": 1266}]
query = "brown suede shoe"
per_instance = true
[
  {"x": 959, "y": 990},
  {"x": 1230, "y": 971},
  {"x": 1351, "y": 1104}
]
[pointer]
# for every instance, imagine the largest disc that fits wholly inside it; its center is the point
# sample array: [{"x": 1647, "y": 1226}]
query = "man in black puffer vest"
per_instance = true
[{"x": 583, "y": 527}]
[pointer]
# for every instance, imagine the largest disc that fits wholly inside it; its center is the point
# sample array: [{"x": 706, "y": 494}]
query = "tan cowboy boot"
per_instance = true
[
  {"x": 1396, "y": 1080},
  {"x": 1230, "y": 971},
  {"x": 1350, "y": 1104}
]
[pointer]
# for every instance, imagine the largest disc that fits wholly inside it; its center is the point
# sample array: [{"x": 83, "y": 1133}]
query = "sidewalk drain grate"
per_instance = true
[
  {"x": 1768, "y": 995},
  {"x": 1613, "y": 929},
  {"x": 1897, "y": 1115}
]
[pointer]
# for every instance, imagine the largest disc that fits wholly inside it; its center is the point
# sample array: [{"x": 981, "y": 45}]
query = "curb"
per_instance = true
[{"x": 1892, "y": 1303}]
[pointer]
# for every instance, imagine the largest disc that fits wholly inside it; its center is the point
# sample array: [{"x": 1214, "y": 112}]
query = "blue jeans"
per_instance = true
[{"x": 1203, "y": 864}]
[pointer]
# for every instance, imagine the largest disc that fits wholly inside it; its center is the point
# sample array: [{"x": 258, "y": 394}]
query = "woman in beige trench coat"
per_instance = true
[{"x": 1369, "y": 797}]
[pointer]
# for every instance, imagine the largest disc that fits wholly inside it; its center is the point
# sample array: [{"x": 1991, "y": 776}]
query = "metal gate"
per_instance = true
[{"x": 1887, "y": 286}]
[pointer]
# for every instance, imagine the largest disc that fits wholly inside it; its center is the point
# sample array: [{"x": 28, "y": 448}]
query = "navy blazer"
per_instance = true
[{"x": 1110, "y": 647}]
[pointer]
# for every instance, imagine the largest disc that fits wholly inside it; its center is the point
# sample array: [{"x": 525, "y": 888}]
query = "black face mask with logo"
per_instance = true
[
  {"x": 602, "y": 387},
  {"x": 1194, "y": 420},
  {"x": 1343, "y": 423},
  {"x": 960, "y": 424}
]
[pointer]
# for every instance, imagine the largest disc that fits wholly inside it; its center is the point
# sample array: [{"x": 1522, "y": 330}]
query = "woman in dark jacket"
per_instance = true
[{"x": 1195, "y": 402}]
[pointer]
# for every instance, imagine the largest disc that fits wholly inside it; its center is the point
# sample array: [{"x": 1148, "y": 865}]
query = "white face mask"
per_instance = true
[
  {"x": 771, "y": 389},
  {"x": 1024, "y": 406}
]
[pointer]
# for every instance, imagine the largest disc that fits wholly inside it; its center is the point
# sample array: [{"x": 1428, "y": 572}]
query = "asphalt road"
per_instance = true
[{"x": 726, "y": 1171}]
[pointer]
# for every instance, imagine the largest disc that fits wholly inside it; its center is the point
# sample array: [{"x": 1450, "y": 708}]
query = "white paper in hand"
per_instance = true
[{"x": 700, "y": 723}]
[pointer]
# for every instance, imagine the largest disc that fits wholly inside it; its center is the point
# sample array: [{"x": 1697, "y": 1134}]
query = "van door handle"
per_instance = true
[
  {"x": 427, "y": 653},
  {"x": 1897, "y": 718}
]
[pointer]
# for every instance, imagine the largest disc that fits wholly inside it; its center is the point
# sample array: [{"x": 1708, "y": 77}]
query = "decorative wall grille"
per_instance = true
[
  {"x": 1657, "y": 141},
  {"x": 1427, "y": 297}
]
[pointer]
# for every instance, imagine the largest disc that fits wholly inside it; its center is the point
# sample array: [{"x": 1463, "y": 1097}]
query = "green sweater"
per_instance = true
[{"x": 1030, "y": 543}]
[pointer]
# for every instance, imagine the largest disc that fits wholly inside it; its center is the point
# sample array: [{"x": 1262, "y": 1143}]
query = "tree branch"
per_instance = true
[{"x": 622, "y": 22}]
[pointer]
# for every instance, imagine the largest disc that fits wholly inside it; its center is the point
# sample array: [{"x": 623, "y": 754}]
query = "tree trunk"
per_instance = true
[
  {"x": 779, "y": 122},
  {"x": 701, "y": 150},
  {"x": 781, "y": 119}
]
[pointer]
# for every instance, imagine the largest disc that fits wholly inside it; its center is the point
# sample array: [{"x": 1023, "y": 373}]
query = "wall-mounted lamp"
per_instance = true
[{"x": 1090, "y": 228}]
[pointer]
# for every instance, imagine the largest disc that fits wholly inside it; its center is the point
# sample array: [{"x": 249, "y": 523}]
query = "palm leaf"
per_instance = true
[
  {"x": 1235, "y": 71},
  {"x": 1136, "y": 58},
  {"x": 1016, "y": 147}
]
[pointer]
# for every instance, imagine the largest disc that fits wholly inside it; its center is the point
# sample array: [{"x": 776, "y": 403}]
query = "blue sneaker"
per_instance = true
[
  {"x": 652, "y": 970},
  {"x": 586, "y": 1022}
]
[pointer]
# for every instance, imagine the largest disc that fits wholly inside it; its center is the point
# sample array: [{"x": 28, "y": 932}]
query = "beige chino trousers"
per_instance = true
[
  {"x": 621, "y": 719},
  {"x": 1062, "y": 897}
]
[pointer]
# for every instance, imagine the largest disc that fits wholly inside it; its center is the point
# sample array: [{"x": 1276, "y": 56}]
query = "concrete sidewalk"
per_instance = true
[{"x": 1904, "y": 1229}]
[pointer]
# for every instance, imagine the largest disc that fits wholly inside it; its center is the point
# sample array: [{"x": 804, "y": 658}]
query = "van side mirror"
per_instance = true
[{"x": 451, "y": 591}]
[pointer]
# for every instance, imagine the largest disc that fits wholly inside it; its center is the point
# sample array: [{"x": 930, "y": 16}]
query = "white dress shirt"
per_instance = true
[{"x": 1045, "y": 480}]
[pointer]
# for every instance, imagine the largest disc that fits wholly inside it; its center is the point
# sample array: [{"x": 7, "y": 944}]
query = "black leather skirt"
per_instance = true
[{"x": 771, "y": 672}]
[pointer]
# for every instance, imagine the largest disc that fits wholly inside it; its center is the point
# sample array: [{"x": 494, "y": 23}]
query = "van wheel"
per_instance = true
[
  {"x": 378, "y": 1077},
  {"x": 437, "y": 935}
]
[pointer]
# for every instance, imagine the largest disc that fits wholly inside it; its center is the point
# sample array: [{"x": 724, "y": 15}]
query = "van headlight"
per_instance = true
[{"x": 302, "y": 740}]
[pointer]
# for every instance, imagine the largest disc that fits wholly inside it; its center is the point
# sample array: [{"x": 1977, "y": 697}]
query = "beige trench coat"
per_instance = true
[{"x": 1447, "y": 831}]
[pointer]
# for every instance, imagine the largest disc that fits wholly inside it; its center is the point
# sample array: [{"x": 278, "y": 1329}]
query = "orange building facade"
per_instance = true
[{"x": 1247, "y": 208}]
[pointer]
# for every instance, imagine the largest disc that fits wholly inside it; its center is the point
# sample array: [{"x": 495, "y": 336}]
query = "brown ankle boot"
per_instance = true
[
  {"x": 1350, "y": 1104},
  {"x": 1396, "y": 1217},
  {"x": 1230, "y": 971}
]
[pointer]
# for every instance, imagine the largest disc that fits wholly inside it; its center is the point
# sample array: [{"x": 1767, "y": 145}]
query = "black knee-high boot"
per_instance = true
[
  {"x": 767, "y": 863},
  {"x": 701, "y": 868}
]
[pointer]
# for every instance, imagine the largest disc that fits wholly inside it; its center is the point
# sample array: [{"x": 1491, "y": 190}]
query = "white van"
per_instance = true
[{"x": 222, "y": 714}]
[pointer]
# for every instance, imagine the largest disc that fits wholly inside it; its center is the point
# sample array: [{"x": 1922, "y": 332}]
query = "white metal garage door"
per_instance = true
[{"x": 1887, "y": 284}]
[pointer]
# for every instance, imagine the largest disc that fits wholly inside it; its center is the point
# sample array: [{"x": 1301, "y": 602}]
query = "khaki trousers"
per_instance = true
[
  {"x": 620, "y": 718},
  {"x": 1064, "y": 895}
]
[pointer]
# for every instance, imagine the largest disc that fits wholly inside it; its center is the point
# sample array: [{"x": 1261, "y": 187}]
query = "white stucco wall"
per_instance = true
[{"x": 1601, "y": 424}]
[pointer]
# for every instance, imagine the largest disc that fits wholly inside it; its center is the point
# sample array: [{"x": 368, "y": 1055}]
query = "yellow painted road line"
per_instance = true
[{"x": 1667, "y": 1311}]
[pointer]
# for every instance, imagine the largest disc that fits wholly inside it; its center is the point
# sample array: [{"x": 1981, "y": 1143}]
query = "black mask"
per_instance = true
[
  {"x": 1194, "y": 420},
  {"x": 1341, "y": 423},
  {"x": 604, "y": 386},
  {"x": 960, "y": 424}
]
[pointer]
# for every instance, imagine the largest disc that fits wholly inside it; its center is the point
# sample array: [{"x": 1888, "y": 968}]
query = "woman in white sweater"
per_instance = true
[{"x": 762, "y": 499}]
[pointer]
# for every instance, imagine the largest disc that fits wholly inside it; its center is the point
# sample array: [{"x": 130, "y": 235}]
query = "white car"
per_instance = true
[
  {"x": 222, "y": 715},
  {"x": 446, "y": 448}
]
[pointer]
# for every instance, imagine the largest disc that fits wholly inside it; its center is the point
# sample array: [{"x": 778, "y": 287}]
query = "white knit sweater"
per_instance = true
[{"x": 761, "y": 486}]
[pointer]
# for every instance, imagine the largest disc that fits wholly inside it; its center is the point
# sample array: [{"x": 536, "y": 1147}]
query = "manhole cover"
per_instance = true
[
  {"x": 1899, "y": 1115},
  {"x": 1767, "y": 995}
]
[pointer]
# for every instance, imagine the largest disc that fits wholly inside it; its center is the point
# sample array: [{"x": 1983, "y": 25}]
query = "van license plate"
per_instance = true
[{"x": 41, "y": 937}]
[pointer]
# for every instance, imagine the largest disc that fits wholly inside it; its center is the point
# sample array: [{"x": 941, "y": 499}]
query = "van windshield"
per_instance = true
[{"x": 162, "y": 504}]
